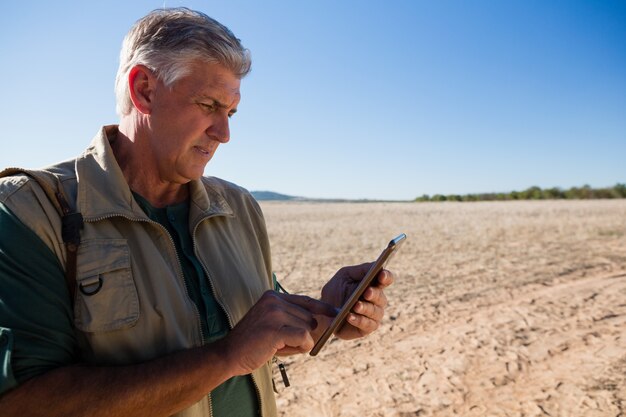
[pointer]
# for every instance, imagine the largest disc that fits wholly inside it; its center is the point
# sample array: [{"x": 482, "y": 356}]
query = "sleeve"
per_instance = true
[{"x": 36, "y": 319}]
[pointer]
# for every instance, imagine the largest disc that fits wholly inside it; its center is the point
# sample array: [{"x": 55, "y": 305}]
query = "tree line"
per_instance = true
[{"x": 536, "y": 193}]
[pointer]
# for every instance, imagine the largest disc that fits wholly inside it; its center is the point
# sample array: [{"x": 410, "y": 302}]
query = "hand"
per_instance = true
[
  {"x": 368, "y": 312},
  {"x": 276, "y": 324}
]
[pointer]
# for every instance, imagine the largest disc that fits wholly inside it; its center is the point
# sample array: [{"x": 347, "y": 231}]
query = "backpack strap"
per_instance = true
[{"x": 71, "y": 220}]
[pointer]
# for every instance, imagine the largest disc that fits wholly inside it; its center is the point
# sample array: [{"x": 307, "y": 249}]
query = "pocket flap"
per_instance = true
[{"x": 107, "y": 297}]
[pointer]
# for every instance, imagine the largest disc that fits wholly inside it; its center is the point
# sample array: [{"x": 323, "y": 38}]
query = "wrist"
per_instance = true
[{"x": 227, "y": 358}]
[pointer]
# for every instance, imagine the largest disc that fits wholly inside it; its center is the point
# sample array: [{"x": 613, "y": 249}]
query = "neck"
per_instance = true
[{"x": 142, "y": 176}]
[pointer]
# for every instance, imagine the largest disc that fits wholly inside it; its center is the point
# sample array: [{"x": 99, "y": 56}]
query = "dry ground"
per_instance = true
[{"x": 499, "y": 309}]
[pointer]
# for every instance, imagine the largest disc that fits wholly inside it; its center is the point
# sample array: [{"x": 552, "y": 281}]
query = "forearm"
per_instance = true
[{"x": 160, "y": 387}]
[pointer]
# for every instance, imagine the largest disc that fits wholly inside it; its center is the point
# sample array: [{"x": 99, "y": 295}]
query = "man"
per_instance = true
[{"x": 173, "y": 312}]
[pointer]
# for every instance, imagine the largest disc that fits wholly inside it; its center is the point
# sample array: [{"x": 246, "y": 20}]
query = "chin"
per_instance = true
[
  {"x": 196, "y": 175},
  {"x": 189, "y": 178},
  {"x": 193, "y": 172}
]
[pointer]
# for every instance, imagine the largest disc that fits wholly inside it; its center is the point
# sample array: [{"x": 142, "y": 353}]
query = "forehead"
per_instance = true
[{"x": 212, "y": 81}]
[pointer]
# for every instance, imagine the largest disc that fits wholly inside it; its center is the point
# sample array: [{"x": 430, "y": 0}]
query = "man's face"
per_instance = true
[{"x": 189, "y": 120}]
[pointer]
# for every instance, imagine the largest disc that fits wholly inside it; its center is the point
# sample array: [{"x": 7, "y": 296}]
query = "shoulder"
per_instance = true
[
  {"x": 9, "y": 185},
  {"x": 34, "y": 204},
  {"x": 15, "y": 180},
  {"x": 29, "y": 202}
]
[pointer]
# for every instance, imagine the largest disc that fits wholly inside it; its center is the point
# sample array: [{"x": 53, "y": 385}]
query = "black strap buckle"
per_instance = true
[{"x": 72, "y": 223}]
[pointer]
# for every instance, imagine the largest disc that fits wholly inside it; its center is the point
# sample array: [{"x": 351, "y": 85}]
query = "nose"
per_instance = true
[{"x": 219, "y": 129}]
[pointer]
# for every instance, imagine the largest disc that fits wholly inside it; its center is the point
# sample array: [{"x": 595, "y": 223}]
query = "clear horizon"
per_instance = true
[{"x": 355, "y": 100}]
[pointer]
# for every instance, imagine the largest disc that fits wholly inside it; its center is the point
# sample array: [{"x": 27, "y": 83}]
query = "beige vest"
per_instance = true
[{"x": 142, "y": 310}]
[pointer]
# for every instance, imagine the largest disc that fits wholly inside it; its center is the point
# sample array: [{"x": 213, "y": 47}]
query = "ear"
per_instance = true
[{"x": 141, "y": 86}]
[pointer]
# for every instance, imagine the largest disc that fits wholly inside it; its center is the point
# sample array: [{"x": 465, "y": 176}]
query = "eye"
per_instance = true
[{"x": 209, "y": 107}]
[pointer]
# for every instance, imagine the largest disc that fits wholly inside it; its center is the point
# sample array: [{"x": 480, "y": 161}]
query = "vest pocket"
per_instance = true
[{"x": 107, "y": 297}]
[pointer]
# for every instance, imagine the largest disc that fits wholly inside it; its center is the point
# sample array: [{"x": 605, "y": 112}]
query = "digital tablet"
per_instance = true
[{"x": 340, "y": 318}]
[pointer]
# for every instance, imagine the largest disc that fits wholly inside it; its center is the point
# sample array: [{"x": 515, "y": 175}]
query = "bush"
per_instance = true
[{"x": 536, "y": 193}]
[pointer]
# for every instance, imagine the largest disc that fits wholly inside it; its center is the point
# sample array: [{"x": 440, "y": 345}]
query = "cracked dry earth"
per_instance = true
[{"x": 499, "y": 308}]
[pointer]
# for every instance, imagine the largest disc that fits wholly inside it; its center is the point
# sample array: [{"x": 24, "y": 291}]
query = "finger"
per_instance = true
[
  {"x": 375, "y": 295},
  {"x": 282, "y": 312},
  {"x": 295, "y": 338},
  {"x": 370, "y": 310},
  {"x": 355, "y": 272},
  {"x": 311, "y": 305},
  {"x": 288, "y": 351},
  {"x": 365, "y": 324},
  {"x": 384, "y": 278}
]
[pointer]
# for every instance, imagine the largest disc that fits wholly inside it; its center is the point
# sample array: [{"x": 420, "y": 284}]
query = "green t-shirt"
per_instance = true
[
  {"x": 237, "y": 396},
  {"x": 35, "y": 315},
  {"x": 36, "y": 340}
]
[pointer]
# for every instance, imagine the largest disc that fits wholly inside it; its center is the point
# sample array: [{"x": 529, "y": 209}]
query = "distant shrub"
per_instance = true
[
  {"x": 619, "y": 191},
  {"x": 536, "y": 193}
]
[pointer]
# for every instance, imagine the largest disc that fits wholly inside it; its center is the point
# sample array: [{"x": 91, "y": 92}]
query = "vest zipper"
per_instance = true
[
  {"x": 228, "y": 317},
  {"x": 180, "y": 274},
  {"x": 179, "y": 267}
]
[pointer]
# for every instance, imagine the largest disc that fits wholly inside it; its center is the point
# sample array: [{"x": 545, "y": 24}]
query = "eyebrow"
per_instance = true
[{"x": 217, "y": 102}]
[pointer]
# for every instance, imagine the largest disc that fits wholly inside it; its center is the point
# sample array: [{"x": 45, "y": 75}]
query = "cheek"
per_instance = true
[{"x": 191, "y": 127}]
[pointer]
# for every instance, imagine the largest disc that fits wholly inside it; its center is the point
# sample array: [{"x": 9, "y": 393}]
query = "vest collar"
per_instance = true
[{"x": 103, "y": 191}]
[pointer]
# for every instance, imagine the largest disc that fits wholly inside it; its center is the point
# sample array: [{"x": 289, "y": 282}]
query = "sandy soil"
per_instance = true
[{"x": 499, "y": 309}]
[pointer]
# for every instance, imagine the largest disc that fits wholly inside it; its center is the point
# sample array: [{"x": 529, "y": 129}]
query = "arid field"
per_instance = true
[{"x": 499, "y": 308}]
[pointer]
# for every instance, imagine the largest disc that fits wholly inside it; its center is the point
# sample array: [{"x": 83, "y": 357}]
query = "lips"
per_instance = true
[{"x": 203, "y": 151}]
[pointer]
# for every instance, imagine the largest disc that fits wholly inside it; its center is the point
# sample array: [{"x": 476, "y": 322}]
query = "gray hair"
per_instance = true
[{"x": 168, "y": 40}]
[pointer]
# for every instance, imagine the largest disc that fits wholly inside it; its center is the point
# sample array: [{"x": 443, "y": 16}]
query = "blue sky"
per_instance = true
[{"x": 354, "y": 99}]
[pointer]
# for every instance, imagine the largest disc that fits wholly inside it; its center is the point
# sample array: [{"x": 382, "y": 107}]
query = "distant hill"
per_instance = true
[{"x": 272, "y": 196}]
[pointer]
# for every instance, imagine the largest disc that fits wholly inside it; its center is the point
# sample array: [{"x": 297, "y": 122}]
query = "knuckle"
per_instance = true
[
  {"x": 369, "y": 325},
  {"x": 367, "y": 310},
  {"x": 383, "y": 301},
  {"x": 343, "y": 270},
  {"x": 372, "y": 311},
  {"x": 269, "y": 295},
  {"x": 301, "y": 335},
  {"x": 273, "y": 313},
  {"x": 275, "y": 309},
  {"x": 374, "y": 325}
]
